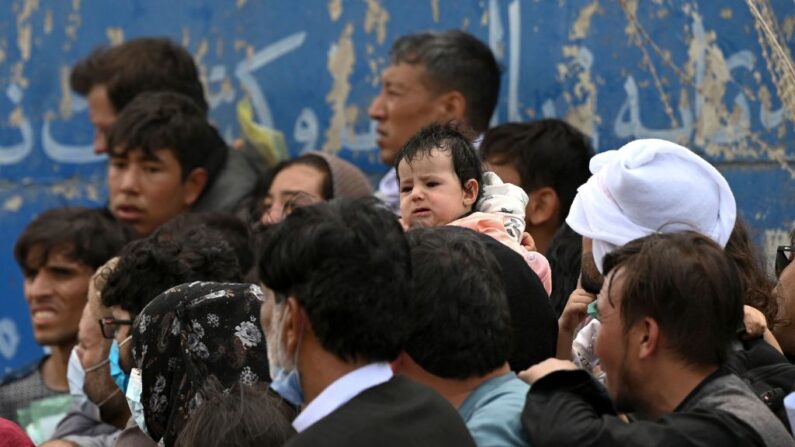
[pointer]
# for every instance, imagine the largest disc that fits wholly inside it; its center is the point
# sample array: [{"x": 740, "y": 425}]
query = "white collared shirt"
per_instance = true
[{"x": 341, "y": 391}]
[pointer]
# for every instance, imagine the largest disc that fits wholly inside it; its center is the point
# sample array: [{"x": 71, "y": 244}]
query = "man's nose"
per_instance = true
[
  {"x": 129, "y": 180},
  {"x": 100, "y": 142},
  {"x": 376, "y": 110},
  {"x": 38, "y": 287},
  {"x": 273, "y": 215}
]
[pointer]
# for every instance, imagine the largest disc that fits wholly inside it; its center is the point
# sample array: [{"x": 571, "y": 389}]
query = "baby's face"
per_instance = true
[{"x": 430, "y": 191}]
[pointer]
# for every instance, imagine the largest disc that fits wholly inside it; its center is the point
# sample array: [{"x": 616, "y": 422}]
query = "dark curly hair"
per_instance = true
[
  {"x": 171, "y": 256},
  {"x": 347, "y": 263}
]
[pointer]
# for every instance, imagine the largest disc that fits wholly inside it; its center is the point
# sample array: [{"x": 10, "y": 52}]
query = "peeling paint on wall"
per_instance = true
[
  {"x": 726, "y": 13},
  {"x": 65, "y": 104},
  {"x": 583, "y": 24},
  {"x": 582, "y": 112},
  {"x": 48, "y": 22},
  {"x": 774, "y": 238},
  {"x": 115, "y": 35},
  {"x": 435, "y": 10},
  {"x": 376, "y": 19},
  {"x": 13, "y": 203},
  {"x": 341, "y": 59},
  {"x": 335, "y": 9},
  {"x": 788, "y": 26}
]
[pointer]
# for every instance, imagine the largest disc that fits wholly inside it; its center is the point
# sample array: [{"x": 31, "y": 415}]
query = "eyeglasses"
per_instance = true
[
  {"x": 110, "y": 325},
  {"x": 783, "y": 257}
]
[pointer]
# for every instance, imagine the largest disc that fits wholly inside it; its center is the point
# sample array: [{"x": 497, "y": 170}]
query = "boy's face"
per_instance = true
[
  {"x": 55, "y": 289},
  {"x": 431, "y": 193},
  {"x": 146, "y": 191}
]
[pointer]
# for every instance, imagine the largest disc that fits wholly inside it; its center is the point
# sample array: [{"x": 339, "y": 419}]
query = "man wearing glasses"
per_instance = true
[{"x": 57, "y": 252}]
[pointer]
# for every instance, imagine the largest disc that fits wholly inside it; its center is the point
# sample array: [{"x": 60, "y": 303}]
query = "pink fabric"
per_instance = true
[
  {"x": 13, "y": 436},
  {"x": 492, "y": 225}
]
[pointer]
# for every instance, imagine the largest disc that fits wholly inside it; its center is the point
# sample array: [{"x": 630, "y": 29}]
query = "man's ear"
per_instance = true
[
  {"x": 543, "y": 207},
  {"x": 647, "y": 334},
  {"x": 471, "y": 189},
  {"x": 292, "y": 325},
  {"x": 453, "y": 105},
  {"x": 193, "y": 186}
]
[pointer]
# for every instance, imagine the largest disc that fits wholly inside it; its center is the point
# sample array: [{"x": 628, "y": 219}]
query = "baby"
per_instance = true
[{"x": 441, "y": 182}]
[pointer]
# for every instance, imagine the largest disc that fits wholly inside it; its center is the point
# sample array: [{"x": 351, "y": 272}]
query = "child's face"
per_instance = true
[
  {"x": 431, "y": 193},
  {"x": 145, "y": 191}
]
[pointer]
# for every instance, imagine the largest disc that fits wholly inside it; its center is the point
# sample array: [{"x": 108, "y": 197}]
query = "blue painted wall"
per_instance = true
[{"x": 690, "y": 71}]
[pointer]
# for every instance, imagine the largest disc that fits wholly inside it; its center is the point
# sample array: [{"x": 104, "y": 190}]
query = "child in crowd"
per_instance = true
[{"x": 441, "y": 182}]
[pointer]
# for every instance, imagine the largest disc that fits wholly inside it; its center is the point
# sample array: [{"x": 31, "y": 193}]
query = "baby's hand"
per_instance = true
[{"x": 506, "y": 199}]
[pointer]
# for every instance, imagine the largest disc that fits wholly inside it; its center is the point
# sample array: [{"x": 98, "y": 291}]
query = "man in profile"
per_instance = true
[{"x": 434, "y": 77}]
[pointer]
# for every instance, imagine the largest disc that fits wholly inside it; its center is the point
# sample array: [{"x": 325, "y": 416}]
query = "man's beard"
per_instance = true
[
  {"x": 625, "y": 400},
  {"x": 590, "y": 279}
]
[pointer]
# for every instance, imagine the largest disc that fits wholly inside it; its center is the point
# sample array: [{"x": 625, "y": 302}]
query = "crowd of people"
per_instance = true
[{"x": 502, "y": 286}]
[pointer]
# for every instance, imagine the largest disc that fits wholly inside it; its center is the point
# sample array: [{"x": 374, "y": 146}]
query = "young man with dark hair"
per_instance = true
[
  {"x": 461, "y": 338},
  {"x": 163, "y": 155},
  {"x": 336, "y": 312},
  {"x": 57, "y": 252},
  {"x": 111, "y": 77},
  {"x": 670, "y": 308},
  {"x": 433, "y": 77},
  {"x": 549, "y": 160}
]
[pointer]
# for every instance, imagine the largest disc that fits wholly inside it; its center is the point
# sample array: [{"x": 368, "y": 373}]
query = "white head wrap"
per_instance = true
[{"x": 651, "y": 186}]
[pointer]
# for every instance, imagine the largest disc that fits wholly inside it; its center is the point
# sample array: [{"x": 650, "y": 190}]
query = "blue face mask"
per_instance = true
[
  {"x": 119, "y": 376},
  {"x": 288, "y": 385}
]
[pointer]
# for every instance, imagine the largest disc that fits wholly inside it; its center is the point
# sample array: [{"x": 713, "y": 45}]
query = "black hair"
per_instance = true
[
  {"x": 347, "y": 264},
  {"x": 140, "y": 65},
  {"x": 172, "y": 255},
  {"x": 88, "y": 236},
  {"x": 166, "y": 120},
  {"x": 462, "y": 326},
  {"x": 548, "y": 152},
  {"x": 257, "y": 206},
  {"x": 688, "y": 285},
  {"x": 444, "y": 138},
  {"x": 455, "y": 60}
]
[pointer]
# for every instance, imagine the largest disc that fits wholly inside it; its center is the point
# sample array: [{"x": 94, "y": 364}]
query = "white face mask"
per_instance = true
[
  {"x": 133, "y": 393},
  {"x": 76, "y": 377}
]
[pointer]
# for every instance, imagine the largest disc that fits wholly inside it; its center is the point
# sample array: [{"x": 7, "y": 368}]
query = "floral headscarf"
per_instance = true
[{"x": 192, "y": 336}]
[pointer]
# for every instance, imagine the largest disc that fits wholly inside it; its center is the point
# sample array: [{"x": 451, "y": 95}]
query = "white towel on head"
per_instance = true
[{"x": 651, "y": 186}]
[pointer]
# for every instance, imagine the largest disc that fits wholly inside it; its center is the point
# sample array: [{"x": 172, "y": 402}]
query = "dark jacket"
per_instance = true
[
  {"x": 571, "y": 408},
  {"x": 399, "y": 413}
]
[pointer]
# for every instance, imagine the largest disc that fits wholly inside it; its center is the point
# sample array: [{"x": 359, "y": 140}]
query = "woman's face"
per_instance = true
[{"x": 295, "y": 185}]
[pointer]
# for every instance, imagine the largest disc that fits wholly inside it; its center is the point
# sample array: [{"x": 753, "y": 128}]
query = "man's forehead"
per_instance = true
[
  {"x": 404, "y": 75},
  {"x": 139, "y": 154},
  {"x": 40, "y": 255}
]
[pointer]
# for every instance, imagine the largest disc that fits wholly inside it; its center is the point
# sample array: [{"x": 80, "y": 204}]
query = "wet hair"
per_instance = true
[
  {"x": 241, "y": 416},
  {"x": 88, "y": 236},
  {"x": 462, "y": 325},
  {"x": 455, "y": 60},
  {"x": 444, "y": 138},
  {"x": 688, "y": 285},
  {"x": 545, "y": 153},
  {"x": 347, "y": 264},
  {"x": 174, "y": 254},
  {"x": 139, "y": 65},
  {"x": 155, "y": 121},
  {"x": 757, "y": 286}
]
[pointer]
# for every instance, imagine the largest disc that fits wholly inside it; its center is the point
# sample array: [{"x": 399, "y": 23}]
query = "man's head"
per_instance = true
[
  {"x": 784, "y": 330},
  {"x": 58, "y": 252},
  {"x": 646, "y": 187},
  {"x": 335, "y": 278},
  {"x": 173, "y": 255},
  {"x": 439, "y": 175},
  {"x": 163, "y": 155},
  {"x": 462, "y": 327},
  {"x": 669, "y": 300},
  {"x": 548, "y": 159},
  {"x": 111, "y": 77},
  {"x": 434, "y": 77}
]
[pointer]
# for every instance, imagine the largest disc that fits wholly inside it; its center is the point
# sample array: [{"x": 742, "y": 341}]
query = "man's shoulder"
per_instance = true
[
  {"x": 397, "y": 412},
  {"x": 29, "y": 371},
  {"x": 492, "y": 413}
]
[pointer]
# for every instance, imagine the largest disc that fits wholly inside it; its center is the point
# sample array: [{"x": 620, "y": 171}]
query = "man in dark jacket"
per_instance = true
[
  {"x": 660, "y": 361},
  {"x": 336, "y": 312}
]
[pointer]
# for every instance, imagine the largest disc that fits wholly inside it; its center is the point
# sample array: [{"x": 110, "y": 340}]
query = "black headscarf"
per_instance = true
[{"x": 194, "y": 337}]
